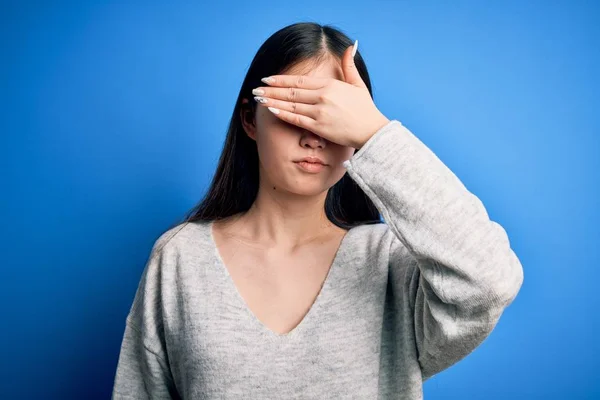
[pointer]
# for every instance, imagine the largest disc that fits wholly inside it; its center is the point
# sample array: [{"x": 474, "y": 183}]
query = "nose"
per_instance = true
[{"x": 312, "y": 140}]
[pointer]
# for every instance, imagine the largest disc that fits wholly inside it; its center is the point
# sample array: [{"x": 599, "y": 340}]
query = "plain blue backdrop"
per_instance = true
[{"x": 112, "y": 121}]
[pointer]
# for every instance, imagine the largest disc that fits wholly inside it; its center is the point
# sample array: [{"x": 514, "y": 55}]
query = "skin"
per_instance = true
[{"x": 289, "y": 210}]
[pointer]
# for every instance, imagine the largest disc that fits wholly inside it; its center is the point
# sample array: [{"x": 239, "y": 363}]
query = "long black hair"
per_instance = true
[{"x": 236, "y": 182}]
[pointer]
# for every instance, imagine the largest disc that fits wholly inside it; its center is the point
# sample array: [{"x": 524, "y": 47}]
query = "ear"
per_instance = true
[{"x": 248, "y": 119}]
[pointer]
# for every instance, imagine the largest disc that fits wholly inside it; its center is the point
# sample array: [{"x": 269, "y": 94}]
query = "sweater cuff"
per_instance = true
[{"x": 380, "y": 142}]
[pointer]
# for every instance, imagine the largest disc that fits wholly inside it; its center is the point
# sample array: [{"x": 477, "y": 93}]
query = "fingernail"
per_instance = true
[
  {"x": 273, "y": 110},
  {"x": 268, "y": 80},
  {"x": 355, "y": 48}
]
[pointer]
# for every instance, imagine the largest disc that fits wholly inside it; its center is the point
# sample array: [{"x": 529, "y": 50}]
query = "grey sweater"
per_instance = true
[{"x": 403, "y": 300}]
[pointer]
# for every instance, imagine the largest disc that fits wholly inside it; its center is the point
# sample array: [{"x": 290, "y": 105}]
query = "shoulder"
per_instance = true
[
  {"x": 379, "y": 242},
  {"x": 369, "y": 242},
  {"x": 181, "y": 238},
  {"x": 370, "y": 235}
]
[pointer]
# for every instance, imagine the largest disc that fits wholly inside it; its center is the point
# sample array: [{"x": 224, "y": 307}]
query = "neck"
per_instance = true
[{"x": 286, "y": 220}]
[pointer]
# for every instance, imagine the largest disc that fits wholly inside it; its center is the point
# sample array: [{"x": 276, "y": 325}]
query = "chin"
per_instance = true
[{"x": 307, "y": 187}]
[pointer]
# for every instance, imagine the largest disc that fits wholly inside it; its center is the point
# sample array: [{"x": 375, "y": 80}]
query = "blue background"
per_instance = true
[{"x": 112, "y": 121}]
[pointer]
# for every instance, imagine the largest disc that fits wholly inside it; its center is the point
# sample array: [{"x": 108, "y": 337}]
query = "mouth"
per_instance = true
[
  {"x": 312, "y": 160},
  {"x": 310, "y": 166}
]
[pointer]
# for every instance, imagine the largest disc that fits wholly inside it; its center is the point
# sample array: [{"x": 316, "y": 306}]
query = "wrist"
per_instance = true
[{"x": 383, "y": 121}]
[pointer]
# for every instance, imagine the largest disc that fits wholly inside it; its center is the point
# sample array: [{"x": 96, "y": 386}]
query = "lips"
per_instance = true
[{"x": 312, "y": 160}]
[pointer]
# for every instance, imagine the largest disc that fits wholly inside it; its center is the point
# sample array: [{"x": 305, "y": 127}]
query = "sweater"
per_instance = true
[{"x": 403, "y": 299}]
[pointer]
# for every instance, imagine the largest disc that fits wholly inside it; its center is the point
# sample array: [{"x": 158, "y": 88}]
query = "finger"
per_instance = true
[
  {"x": 307, "y": 96},
  {"x": 308, "y": 110},
  {"x": 296, "y": 81},
  {"x": 295, "y": 119}
]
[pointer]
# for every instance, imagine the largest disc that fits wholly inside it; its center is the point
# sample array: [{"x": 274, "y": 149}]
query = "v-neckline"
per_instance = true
[{"x": 264, "y": 330}]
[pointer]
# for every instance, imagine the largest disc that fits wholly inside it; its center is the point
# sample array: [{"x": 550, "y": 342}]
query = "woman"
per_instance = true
[{"x": 284, "y": 283}]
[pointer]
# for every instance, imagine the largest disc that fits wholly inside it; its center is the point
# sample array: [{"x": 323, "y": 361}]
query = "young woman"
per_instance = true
[{"x": 284, "y": 282}]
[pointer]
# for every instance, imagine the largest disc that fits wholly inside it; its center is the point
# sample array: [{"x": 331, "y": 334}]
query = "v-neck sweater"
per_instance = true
[{"x": 403, "y": 299}]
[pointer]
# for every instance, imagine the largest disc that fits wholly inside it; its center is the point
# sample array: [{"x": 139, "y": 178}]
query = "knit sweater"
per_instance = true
[{"x": 403, "y": 299}]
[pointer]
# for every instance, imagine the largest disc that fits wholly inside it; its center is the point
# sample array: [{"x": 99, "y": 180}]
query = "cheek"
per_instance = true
[
  {"x": 343, "y": 154},
  {"x": 350, "y": 152},
  {"x": 266, "y": 153},
  {"x": 272, "y": 149},
  {"x": 337, "y": 173}
]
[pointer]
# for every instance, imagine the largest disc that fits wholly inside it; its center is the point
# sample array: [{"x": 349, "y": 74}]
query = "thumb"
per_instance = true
[{"x": 351, "y": 74}]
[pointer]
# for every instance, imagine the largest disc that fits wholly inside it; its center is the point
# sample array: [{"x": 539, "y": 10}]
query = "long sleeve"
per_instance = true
[
  {"x": 449, "y": 264},
  {"x": 143, "y": 370}
]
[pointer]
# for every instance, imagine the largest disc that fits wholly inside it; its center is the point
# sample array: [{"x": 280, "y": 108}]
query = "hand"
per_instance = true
[{"x": 339, "y": 111}]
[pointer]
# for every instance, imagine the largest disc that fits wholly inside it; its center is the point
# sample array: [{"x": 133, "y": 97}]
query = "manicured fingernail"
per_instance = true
[
  {"x": 355, "y": 48},
  {"x": 260, "y": 99},
  {"x": 268, "y": 80},
  {"x": 273, "y": 110},
  {"x": 258, "y": 92}
]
